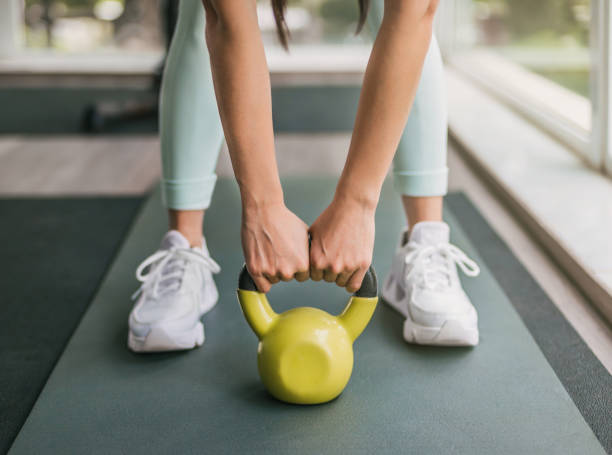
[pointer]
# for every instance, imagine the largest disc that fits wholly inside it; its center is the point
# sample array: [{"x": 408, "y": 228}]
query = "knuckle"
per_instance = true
[
  {"x": 336, "y": 268},
  {"x": 286, "y": 274},
  {"x": 303, "y": 265},
  {"x": 354, "y": 283},
  {"x": 318, "y": 263}
]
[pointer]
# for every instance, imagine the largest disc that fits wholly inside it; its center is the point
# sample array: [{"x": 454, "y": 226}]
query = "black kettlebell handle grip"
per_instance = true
[{"x": 369, "y": 285}]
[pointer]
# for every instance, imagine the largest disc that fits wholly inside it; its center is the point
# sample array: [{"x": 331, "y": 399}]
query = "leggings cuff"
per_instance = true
[
  {"x": 188, "y": 194},
  {"x": 421, "y": 183}
]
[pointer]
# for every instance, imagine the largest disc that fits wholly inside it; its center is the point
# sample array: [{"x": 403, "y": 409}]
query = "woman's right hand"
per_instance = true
[{"x": 275, "y": 245}]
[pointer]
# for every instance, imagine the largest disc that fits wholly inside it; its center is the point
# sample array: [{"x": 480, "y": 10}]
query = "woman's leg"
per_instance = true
[
  {"x": 423, "y": 283},
  {"x": 165, "y": 317},
  {"x": 419, "y": 167},
  {"x": 190, "y": 128}
]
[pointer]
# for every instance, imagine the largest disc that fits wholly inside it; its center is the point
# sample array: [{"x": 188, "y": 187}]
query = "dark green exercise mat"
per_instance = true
[
  {"x": 501, "y": 397},
  {"x": 54, "y": 253}
]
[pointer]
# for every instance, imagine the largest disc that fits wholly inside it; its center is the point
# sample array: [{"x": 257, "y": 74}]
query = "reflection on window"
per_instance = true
[
  {"x": 549, "y": 37},
  {"x": 93, "y": 25}
]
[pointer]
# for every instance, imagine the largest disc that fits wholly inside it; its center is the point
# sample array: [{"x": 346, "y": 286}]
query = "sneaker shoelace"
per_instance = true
[
  {"x": 163, "y": 271},
  {"x": 434, "y": 263}
]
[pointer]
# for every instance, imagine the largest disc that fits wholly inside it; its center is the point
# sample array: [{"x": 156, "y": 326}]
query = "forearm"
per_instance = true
[
  {"x": 389, "y": 87},
  {"x": 242, "y": 87}
]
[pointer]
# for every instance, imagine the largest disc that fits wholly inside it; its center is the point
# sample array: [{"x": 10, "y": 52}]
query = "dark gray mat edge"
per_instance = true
[{"x": 584, "y": 377}]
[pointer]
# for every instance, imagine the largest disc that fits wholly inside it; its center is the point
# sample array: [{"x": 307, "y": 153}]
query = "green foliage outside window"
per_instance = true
[{"x": 542, "y": 22}]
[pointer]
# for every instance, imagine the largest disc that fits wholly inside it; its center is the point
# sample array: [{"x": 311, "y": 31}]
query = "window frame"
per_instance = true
[{"x": 601, "y": 83}]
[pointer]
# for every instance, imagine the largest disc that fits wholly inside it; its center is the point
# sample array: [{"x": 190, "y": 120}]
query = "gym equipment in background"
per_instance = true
[
  {"x": 305, "y": 355},
  {"x": 100, "y": 117}
]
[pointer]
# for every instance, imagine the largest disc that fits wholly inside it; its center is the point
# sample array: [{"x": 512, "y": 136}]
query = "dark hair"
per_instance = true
[{"x": 279, "y": 7}]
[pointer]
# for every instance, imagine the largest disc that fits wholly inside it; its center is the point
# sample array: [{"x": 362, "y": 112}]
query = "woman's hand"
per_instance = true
[
  {"x": 274, "y": 240},
  {"x": 342, "y": 243},
  {"x": 275, "y": 244}
]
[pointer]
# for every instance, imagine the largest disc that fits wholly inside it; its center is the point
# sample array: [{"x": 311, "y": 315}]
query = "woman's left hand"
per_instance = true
[{"x": 342, "y": 242}]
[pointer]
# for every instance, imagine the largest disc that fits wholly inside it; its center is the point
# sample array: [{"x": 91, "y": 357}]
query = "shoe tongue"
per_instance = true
[
  {"x": 430, "y": 233},
  {"x": 174, "y": 239}
]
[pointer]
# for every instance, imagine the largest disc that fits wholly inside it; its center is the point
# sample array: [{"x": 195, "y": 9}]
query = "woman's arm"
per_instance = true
[
  {"x": 343, "y": 236},
  {"x": 274, "y": 240}
]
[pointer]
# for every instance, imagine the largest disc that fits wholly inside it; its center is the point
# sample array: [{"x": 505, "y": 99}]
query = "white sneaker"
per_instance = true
[
  {"x": 177, "y": 289},
  {"x": 424, "y": 286}
]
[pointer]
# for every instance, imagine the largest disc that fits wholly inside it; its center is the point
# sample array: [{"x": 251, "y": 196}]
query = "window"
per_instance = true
[
  {"x": 80, "y": 26},
  {"x": 86, "y": 26},
  {"x": 547, "y": 59},
  {"x": 130, "y": 35},
  {"x": 548, "y": 37}
]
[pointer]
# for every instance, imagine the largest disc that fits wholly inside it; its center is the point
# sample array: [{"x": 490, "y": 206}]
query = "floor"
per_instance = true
[{"x": 58, "y": 166}]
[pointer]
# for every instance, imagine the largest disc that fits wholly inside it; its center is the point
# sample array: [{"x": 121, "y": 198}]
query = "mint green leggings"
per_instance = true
[{"x": 191, "y": 132}]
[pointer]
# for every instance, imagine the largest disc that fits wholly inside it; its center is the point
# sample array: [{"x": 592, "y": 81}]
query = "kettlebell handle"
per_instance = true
[{"x": 369, "y": 285}]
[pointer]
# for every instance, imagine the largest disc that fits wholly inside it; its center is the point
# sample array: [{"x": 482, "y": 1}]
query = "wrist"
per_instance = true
[
  {"x": 258, "y": 197},
  {"x": 361, "y": 195}
]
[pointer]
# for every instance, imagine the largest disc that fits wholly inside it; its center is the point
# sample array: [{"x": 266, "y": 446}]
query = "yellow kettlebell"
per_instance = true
[{"x": 305, "y": 355}]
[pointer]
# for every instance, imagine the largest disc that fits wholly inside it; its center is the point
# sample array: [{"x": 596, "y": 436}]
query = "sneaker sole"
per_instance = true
[
  {"x": 160, "y": 339},
  {"x": 453, "y": 332}
]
